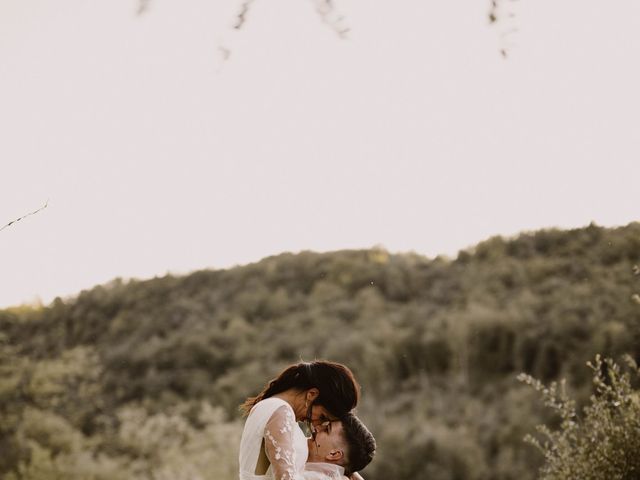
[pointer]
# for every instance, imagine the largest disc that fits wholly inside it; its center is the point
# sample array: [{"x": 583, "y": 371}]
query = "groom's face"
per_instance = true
[{"x": 328, "y": 445}]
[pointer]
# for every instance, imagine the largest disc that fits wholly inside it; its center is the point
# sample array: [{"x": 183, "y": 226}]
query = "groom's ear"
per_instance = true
[
  {"x": 334, "y": 456},
  {"x": 312, "y": 394}
]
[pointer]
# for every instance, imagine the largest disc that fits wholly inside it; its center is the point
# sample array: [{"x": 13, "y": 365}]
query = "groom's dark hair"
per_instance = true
[
  {"x": 339, "y": 390},
  {"x": 360, "y": 443}
]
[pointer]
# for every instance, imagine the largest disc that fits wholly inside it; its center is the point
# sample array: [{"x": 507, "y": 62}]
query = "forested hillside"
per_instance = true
[{"x": 142, "y": 379}]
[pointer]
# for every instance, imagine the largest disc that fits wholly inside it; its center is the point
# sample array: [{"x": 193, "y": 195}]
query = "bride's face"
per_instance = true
[{"x": 320, "y": 416}]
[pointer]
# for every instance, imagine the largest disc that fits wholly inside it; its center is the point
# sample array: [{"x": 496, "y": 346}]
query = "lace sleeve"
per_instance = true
[{"x": 278, "y": 443}]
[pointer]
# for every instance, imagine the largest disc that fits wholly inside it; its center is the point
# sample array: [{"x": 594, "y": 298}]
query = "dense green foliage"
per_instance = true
[
  {"x": 142, "y": 379},
  {"x": 603, "y": 442}
]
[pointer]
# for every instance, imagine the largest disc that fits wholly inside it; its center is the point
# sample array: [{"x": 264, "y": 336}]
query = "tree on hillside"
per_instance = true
[{"x": 92, "y": 386}]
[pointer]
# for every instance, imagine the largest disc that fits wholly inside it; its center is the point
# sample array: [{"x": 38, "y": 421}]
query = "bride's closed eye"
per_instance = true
[{"x": 324, "y": 426}]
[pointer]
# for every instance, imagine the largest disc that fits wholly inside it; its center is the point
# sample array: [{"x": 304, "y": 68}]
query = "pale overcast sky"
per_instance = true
[{"x": 413, "y": 133}]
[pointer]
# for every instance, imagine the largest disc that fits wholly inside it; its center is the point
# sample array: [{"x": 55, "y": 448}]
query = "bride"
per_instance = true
[{"x": 272, "y": 445}]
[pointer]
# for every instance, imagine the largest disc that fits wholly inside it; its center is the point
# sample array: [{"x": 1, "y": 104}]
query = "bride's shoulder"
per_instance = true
[
  {"x": 273, "y": 401},
  {"x": 269, "y": 406}
]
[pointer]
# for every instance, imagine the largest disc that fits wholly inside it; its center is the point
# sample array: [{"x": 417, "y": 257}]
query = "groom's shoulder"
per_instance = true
[{"x": 323, "y": 471}]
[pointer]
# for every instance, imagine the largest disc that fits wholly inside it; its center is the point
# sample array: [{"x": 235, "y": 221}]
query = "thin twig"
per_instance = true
[
  {"x": 329, "y": 15},
  {"x": 143, "y": 6},
  {"x": 501, "y": 13},
  {"x": 25, "y": 216},
  {"x": 241, "y": 17}
]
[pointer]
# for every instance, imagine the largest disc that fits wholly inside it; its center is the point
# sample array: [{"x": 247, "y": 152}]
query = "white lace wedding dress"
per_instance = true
[
  {"x": 271, "y": 430},
  {"x": 272, "y": 425}
]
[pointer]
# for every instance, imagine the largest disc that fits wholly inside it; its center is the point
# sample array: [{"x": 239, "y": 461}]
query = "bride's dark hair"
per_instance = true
[{"x": 339, "y": 390}]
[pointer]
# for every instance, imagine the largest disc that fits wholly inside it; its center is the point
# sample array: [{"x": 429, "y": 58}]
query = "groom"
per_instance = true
[{"x": 339, "y": 444}]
